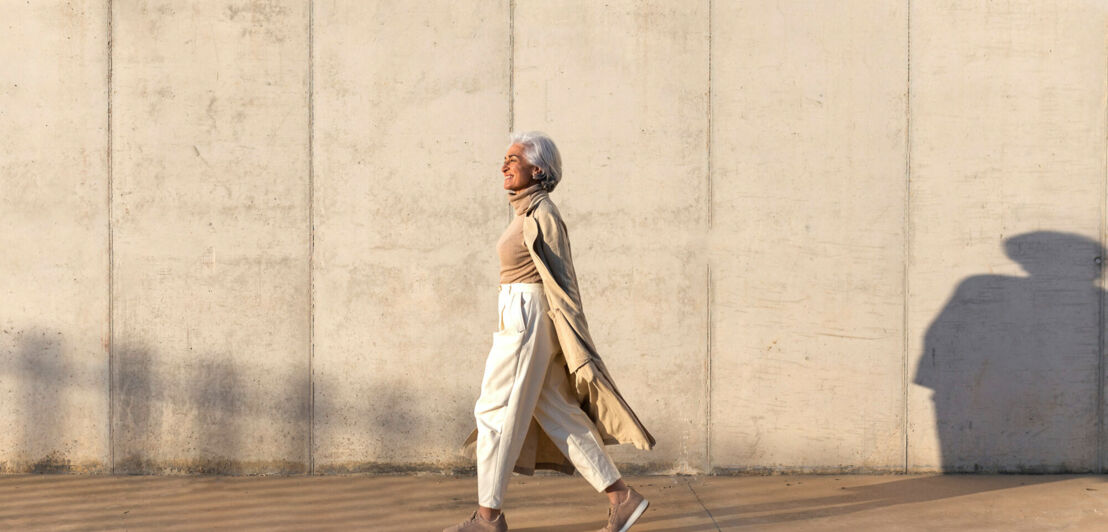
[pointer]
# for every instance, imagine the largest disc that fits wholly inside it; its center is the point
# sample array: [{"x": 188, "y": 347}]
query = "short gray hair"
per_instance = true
[{"x": 540, "y": 151}]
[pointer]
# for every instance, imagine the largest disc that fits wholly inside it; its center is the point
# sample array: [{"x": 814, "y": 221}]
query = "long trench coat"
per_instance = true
[{"x": 546, "y": 238}]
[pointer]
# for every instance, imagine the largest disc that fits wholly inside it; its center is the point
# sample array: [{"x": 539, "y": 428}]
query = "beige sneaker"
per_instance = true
[
  {"x": 621, "y": 516},
  {"x": 476, "y": 523}
]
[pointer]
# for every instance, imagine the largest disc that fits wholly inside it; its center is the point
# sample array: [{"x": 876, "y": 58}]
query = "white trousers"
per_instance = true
[{"x": 525, "y": 377}]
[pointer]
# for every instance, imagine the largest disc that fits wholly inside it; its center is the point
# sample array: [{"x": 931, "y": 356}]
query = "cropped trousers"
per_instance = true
[{"x": 525, "y": 376}]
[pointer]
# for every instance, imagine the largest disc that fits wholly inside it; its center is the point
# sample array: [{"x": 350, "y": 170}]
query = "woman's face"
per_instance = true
[{"x": 518, "y": 173}]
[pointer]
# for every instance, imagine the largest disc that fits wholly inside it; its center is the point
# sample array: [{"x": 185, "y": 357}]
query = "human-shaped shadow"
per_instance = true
[{"x": 1012, "y": 362}]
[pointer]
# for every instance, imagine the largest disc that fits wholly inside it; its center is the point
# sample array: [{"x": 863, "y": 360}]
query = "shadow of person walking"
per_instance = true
[{"x": 1012, "y": 362}]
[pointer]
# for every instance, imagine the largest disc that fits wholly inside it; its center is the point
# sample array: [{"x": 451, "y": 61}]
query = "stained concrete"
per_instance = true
[
  {"x": 54, "y": 220},
  {"x": 408, "y": 207},
  {"x": 210, "y": 229},
  {"x": 1007, "y": 219},
  {"x": 624, "y": 98},
  {"x": 808, "y": 188},
  {"x": 432, "y": 502}
]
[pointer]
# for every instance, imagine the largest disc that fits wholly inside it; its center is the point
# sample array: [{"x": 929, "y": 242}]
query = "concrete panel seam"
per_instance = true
[
  {"x": 708, "y": 376},
  {"x": 111, "y": 260},
  {"x": 708, "y": 135},
  {"x": 906, "y": 226},
  {"x": 511, "y": 65},
  {"x": 1101, "y": 295},
  {"x": 511, "y": 81},
  {"x": 708, "y": 287},
  {"x": 311, "y": 237}
]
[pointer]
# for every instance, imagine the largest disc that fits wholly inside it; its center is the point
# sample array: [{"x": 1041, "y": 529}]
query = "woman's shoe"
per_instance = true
[
  {"x": 476, "y": 523},
  {"x": 621, "y": 516}
]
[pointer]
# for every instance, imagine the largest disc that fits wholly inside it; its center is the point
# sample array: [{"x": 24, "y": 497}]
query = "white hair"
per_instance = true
[{"x": 540, "y": 151}]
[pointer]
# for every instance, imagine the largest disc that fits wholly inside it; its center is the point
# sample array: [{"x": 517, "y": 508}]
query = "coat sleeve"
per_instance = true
[
  {"x": 593, "y": 386},
  {"x": 553, "y": 246}
]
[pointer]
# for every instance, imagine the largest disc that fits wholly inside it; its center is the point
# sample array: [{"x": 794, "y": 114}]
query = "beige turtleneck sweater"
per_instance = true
[{"x": 516, "y": 265}]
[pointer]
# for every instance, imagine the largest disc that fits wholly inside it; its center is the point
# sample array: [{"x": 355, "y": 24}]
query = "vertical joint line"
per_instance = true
[
  {"x": 905, "y": 227},
  {"x": 1102, "y": 312},
  {"x": 708, "y": 270},
  {"x": 511, "y": 79},
  {"x": 311, "y": 238},
  {"x": 111, "y": 262},
  {"x": 511, "y": 65},
  {"x": 708, "y": 376},
  {"x": 709, "y": 119}
]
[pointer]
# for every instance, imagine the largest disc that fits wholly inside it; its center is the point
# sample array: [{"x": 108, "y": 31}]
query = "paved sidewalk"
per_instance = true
[{"x": 431, "y": 502}]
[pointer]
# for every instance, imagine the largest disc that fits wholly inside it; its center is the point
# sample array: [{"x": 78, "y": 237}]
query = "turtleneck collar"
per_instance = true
[{"x": 521, "y": 199}]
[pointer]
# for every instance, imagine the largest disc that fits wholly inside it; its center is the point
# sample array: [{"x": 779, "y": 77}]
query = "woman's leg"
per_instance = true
[
  {"x": 573, "y": 432},
  {"x": 513, "y": 380},
  {"x": 576, "y": 436},
  {"x": 616, "y": 492}
]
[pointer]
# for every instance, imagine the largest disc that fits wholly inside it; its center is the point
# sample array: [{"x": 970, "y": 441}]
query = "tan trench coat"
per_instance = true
[{"x": 547, "y": 241}]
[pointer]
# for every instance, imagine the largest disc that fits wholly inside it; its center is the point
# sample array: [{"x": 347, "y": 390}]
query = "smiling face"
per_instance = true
[{"x": 518, "y": 173}]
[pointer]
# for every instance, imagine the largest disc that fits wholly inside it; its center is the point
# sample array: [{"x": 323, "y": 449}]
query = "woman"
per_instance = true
[{"x": 547, "y": 401}]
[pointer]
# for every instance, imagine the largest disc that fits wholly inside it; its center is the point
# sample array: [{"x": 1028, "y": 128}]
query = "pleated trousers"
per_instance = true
[{"x": 525, "y": 376}]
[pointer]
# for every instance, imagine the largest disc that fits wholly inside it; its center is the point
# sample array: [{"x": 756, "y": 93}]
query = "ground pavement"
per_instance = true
[{"x": 431, "y": 502}]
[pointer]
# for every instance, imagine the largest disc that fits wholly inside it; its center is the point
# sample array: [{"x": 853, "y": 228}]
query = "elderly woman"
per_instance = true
[{"x": 547, "y": 401}]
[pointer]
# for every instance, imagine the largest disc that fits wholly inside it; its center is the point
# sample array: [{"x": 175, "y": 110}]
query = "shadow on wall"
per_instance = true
[
  {"x": 190, "y": 416},
  {"x": 45, "y": 379},
  {"x": 381, "y": 430},
  {"x": 1012, "y": 362},
  {"x": 199, "y": 409},
  {"x": 177, "y": 415},
  {"x": 46, "y": 393}
]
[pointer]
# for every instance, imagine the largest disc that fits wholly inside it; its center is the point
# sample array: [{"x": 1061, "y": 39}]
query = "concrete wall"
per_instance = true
[
  {"x": 54, "y": 232},
  {"x": 1007, "y": 210},
  {"x": 403, "y": 225},
  {"x": 626, "y": 95},
  {"x": 210, "y": 230},
  {"x": 257, "y": 237},
  {"x": 808, "y": 189}
]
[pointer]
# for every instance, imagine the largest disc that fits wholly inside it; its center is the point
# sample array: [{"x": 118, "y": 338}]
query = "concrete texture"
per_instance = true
[
  {"x": 210, "y": 231},
  {"x": 1006, "y": 225},
  {"x": 808, "y": 184},
  {"x": 432, "y": 502},
  {"x": 407, "y": 213},
  {"x": 54, "y": 235},
  {"x": 809, "y": 238},
  {"x": 634, "y": 148}
]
